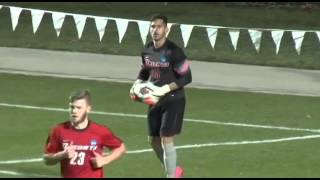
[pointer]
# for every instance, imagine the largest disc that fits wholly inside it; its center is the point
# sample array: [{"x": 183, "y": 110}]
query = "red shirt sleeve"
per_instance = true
[{"x": 52, "y": 144}]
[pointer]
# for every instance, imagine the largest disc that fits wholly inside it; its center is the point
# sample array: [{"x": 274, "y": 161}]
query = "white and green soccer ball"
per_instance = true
[{"x": 143, "y": 92}]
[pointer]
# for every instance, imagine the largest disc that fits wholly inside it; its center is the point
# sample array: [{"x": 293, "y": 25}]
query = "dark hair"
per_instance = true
[
  {"x": 160, "y": 16},
  {"x": 80, "y": 94}
]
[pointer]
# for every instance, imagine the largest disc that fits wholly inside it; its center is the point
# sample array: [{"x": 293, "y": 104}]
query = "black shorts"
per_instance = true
[{"x": 166, "y": 120}]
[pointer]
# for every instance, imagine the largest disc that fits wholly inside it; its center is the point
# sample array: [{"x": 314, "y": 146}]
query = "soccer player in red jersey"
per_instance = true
[{"x": 78, "y": 143}]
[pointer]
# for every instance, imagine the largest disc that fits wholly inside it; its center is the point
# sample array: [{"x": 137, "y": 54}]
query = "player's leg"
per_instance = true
[
  {"x": 154, "y": 124},
  {"x": 172, "y": 119},
  {"x": 169, "y": 156},
  {"x": 155, "y": 143}
]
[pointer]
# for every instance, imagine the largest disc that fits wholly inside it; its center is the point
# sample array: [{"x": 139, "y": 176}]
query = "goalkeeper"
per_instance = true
[{"x": 166, "y": 66}]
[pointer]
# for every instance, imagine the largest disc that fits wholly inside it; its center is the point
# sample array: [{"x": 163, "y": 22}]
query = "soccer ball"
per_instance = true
[
  {"x": 142, "y": 92},
  {"x": 142, "y": 89}
]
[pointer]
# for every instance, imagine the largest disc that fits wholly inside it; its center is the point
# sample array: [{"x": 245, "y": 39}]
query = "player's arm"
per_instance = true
[
  {"x": 102, "y": 160},
  {"x": 183, "y": 75},
  {"x": 53, "y": 158},
  {"x": 182, "y": 70},
  {"x": 181, "y": 81}
]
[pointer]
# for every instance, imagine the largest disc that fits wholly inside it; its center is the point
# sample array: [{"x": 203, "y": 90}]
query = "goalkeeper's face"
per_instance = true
[
  {"x": 79, "y": 110},
  {"x": 158, "y": 30}
]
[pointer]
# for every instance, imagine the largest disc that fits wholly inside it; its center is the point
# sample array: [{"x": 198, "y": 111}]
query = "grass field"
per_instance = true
[
  {"x": 225, "y": 134},
  {"x": 198, "y": 48}
]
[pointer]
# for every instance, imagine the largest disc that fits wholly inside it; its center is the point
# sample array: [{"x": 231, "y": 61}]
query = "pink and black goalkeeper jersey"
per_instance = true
[{"x": 165, "y": 65}]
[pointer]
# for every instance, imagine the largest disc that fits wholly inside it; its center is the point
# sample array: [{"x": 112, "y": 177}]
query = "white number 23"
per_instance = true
[{"x": 78, "y": 158}]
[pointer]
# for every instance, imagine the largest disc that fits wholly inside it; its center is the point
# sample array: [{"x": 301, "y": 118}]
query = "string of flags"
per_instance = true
[{"x": 186, "y": 29}]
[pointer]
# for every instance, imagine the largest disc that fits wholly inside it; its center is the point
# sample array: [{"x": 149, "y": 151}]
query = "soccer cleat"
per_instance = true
[{"x": 179, "y": 172}]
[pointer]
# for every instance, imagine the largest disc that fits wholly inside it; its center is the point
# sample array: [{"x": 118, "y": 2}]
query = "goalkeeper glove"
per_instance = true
[
  {"x": 151, "y": 100},
  {"x": 161, "y": 91},
  {"x": 132, "y": 95}
]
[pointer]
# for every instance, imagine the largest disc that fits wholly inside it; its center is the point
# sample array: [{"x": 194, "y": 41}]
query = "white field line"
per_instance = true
[
  {"x": 179, "y": 147},
  {"x": 128, "y": 80},
  {"x": 232, "y": 143},
  {"x": 14, "y": 173},
  {"x": 186, "y": 119},
  {"x": 10, "y": 172}
]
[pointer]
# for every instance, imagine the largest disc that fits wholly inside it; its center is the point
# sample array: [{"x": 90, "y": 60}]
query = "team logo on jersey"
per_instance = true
[
  {"x": 93, "y": 142},
  {"x": 93, "y": 145},
  {"x": 163, "y": 58}
]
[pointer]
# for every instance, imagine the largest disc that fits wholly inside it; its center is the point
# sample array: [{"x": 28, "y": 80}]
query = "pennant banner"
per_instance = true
[
  {"x": 318, "y": 34},
  {"x": 298, "y": 38},
  {"x": 101, "y": 24},
  {"x": 36, "y": 16},
  {"x": 277, "y": 36},
  {"x": 15, "y": 13},
  {"x": 144, "y": 30},
  {"x": 169, "y": 25},
  {"x": 80, "y": 21},
  {"x": 234, "y": 35},
  {"x": 186, "y": 32},
  {"x": 212, "y": 35},
  {"x": 58, "y": 19},
  {"x": 255, "y": 36},
  {"x": 122, "y": 25}
]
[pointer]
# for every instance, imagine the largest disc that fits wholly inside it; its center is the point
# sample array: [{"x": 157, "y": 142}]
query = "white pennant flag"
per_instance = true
[
  {"x": 101, "y": 24},
  {"x": 212, "y": 35},
  {"x": 169, "y": 25},
  {"x": 234, "y": 35},
  {"x": 0, "y": 6},
  {"x": 298, "y": 38},
  {"x": 80, "y": 21},
  {"x": 277, "y": 36},
  {"x": 122, "y": 25},
  {"x": 58, "y": 19},
  {"x": 186, "y": 32},
  {"x": 144, "y": 29},
  {"x": 255, "y": 36},
  {"x": 318, "y": 34},
  {"x": 36, "y": 16},
  {"x": 15, "y": 13}
]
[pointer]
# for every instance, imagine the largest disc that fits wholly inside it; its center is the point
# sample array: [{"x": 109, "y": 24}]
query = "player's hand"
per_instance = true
[
  {"x": 161, "y": 91},
  {"x": 98, "y": 160},
  {"x": 151, "y": 100},
  {"x": 131, "y": 91},
  {"x": 70, "y": 151},
  {"x": 132, "y": 95}
]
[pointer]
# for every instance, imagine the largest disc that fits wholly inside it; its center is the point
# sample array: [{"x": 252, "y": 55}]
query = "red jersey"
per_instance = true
[{"x": 94, "y": 137}]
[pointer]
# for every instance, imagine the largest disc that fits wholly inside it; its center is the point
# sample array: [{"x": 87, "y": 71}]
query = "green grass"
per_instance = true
[
  {"x": 198, "y": 48},
  {"x": 24, "y": 131}
]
